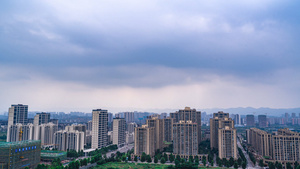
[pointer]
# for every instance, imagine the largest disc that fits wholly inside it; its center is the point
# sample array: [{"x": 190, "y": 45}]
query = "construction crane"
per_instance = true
[{"x": 20, "y": 134}]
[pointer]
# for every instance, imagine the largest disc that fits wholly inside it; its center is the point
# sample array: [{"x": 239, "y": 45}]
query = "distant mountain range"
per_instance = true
[{"x": 255, "y": 111}]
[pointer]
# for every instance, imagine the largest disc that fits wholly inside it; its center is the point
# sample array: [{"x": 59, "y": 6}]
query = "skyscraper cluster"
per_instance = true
[
  {"x": 182, "y": 127},
  {"x": 19, "y": 129}
]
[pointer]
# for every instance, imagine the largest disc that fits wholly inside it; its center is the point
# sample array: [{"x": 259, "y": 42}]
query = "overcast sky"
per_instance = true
[{"x": 78, "y": 55}]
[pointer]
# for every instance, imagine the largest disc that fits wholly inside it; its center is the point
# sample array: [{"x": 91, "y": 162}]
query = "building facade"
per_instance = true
[
  {"x": 250, "y": 120},
  {"x": 21, "y": 154},
  {"x": 99, "y": 129},
  {"x": 18, "y": 114},
  {"x": 185, "y": 140},
  {"x": 144, "y": 140},
  {"x": 227, "y": 143},
  {"x": 157, "y": 124},
  {"x": 119, "y": 131},
  {"x": 69, "y": 140},
  {"x": 167, "y": 129},
  {"x": 188, "y": 114},
  {"x": 214, "y": 127},
  {"x": 260, "y": 141},
  {"x": 262, "y": 121},
  {"x": 41, "y": 118}
]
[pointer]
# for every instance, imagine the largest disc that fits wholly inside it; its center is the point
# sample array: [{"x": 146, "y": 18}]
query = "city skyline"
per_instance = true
[{"x": 125, "y": 56}]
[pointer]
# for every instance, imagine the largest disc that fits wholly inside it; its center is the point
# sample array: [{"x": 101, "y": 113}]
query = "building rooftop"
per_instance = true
[{"x": 8, "y": 144}]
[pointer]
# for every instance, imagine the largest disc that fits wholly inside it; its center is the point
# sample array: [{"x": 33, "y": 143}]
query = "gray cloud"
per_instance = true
[{"x": 150, "y": 45}]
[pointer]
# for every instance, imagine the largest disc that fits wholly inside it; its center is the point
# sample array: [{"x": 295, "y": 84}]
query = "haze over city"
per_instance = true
[{"x": 149, "y": 55}]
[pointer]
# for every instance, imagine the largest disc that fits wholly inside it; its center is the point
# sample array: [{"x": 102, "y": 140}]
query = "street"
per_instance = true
[{"x": 250, "y": 165}]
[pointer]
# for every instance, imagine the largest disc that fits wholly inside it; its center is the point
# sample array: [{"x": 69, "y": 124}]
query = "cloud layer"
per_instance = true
[{"x": 149, "y": 54}]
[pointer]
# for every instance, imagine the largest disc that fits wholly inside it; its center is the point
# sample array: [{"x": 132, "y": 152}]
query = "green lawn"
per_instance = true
[{"x": 131, "y": 166}]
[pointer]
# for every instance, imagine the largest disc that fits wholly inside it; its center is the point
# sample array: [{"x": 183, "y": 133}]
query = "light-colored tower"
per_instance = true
[
  {"x": 185, "y": 140},
  {"x": 69, "y": 140},
  {"x": 130, "y": 127},
  {"x": 13, "y": 132},
  {"x": 99, "y": 129},
  {"x": 159, "y": 133},
  {"x": 17, "y": 114},
  {"x": 188, "y": 114},
  {"x": 42, "y": 118},
  {"x": 82, "y": 128},
  {"x": 227, "y": 143},
  {"x": 144, "y": 140},
  {"x": 46, "y": 133},
  {"x": 119, "y": 131}
]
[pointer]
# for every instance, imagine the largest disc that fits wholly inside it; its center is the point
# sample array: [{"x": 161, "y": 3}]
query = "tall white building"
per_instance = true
[
  {"x": 18, "y": 114},
  {"x": 99, "y": 128},
  {"x": 13, "y": 132},
  {"x": 69, "y": 140},
  {"x": 119, "y": 131},
  {"x": 45, "y": 133}
]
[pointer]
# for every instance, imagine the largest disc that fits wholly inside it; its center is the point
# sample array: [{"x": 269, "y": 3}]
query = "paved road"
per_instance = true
[
  {"x": 250, "y": 165},
  {"x": 123, "y": 149}
]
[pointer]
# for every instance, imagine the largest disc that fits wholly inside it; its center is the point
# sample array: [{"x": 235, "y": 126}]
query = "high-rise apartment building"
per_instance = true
[
  {"x": 227, "y": 143},
  {"x": 17, "y": 114},
  {"x": 167, "y": 129},
  {"x": 45, "y": 133},
  {"x": 185, "y": 140},
  {"x": 89, "y": 125},
  {"x": 188, "y": 114},
  {"x": 129, "y": 117},
  {"x": 144, "y": 140},
  {"x": 119, "y": 137},
  {"x": 41, "y": 118},
  {"x": 214, "y": 127},
  {"x": 260, "y": 141},
  {"x": 250, "y": 120},
  {"x": 223, "y": 135},
  {"x": 131, "y": 126},
  {"x": 99, "y": 129},
  {"x": 262, "y": 121},
  {"x": 110, "y": 117},
  {"x": 158, "y": 134},
  {"x": 237, "y": 119},
  {"x": 69, "y": 140},
  {"x": 13, "y": 132},
  {"x": 283, "y": 147},
  {"x": 79, "y": 127}
]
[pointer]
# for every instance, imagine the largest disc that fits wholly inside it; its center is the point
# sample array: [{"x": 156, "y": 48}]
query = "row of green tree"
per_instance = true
[
  {"x": 278, "y": 165},
  {"x": 75, "y": 164},
  {"x": 231, "y": 162}
]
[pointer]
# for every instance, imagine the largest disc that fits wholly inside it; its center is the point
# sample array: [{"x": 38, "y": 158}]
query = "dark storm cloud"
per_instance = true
[{"x": 150, "y": 46}]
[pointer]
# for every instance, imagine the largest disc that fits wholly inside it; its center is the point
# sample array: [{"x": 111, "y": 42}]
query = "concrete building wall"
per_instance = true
[
  {"x": 185, "y": 140},
  {"x": 119, "y": 131},
  {"x": 227, "y": 143},
  {"x": 144, "y": 140},
  {"x": 188, "y": 114},
  {"x": 99, "y": 129}
]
